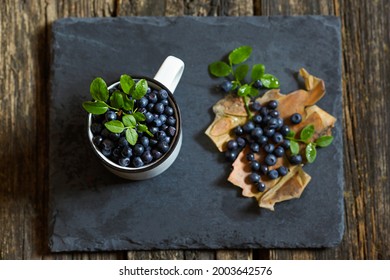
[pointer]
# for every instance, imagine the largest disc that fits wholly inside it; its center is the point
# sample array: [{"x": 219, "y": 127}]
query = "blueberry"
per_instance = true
[
  {"x": 262, "y": 140},
  {"x": 162, "y": 94},
  {"x": 148, "y": 117},
  {"x": 258, "y": 84},
  {"x": 137, "y": 162},
  {"x": 124, "y": 161},
  {"x": 270, "y": 160},
  {"x": 260, "y": 186},
  {"x": 110, "y": 116},
  {"x": 144, "y": 141},
  {"x": 269, "y": 131},
  {"x": 171, "y": 131},
  {"x": 254, "y": 177},
  {"x": 122, "y": 142},
  {"x": 269, "y": 148},
  {"x": 263, "y": 169},
  {"x": 280, "y": 122},
  {"x": 168, "y": 111},
  {"x": 272, "y": 123},
  {"x": 156, "y": 154},
  {"x": 96, "y": 128},
  {"x": 231, "y": 155},
  {"x": 164, "y": 102},
  {"x": 171, "y": 121},
  {"x": 116, "y": 153},
  {"x": 106, "y": 152},
  {"x": 114, "y": 136},
  {"x": 256, "y": 133},
  {"x": 161, "y": 135},
  {"x": 277, "y": 138},
  {"x": 264, "y": 111},
  {"x": 97, "y": 140},
  {"x": 127, "y": 152},
  {"x": 250, "y": 156},
  {"x": 241, "y": 142},
  {"x": 149, "y": 90},
  {"x": 273, "y": 174},
  {"x": 273, "y": 104},
  {"x": 166, "y": 139},
  {"x": 279, "y": 151},
  {"x": 296, "y": 118},
  {"x": 152, "y": 97},
  {"x": 143, "y": 102},
  {"x": 265, "y": 120},
  {"x": 295, "y": 159},
  {"x": 256, "y": 106},
  {"x": 226, "y": 86},
  {"x": 150, "y": 107},
  {"x": 157, "y": 122},
  {"x": 255, "y": 165},
  {"x": 105, "y": 133},
  {"x": 274, "y": 113},
  {"x": 286, "y": 144},
  {"x": 257, "y": 119},
  {"x": 248, "y": 127},
  {"x": 163, "y": 118},
  {"x": 232, "y": 145},
  {"x": 138, "y": 149},
  {"x": 255, "y": 147},
  {"x": 284, "y": 130},
  {"x": 107, "y": 144},
  {"x": 154, "y": 129},
  {"x": 238, "y": 130},
  {"x": 163, "y": 146},
  {"x": 164, "y": 127},
  {"x": 158, "y": 108},
  {"x": 147, "y": 157},
  {"x": 153, "y": 142},
  {"x": 282, "y": 170}
]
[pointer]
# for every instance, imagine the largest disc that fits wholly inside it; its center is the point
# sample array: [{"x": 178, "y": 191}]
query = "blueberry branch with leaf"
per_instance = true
[
  {"x": 236, "y": 71},
  {"x": 122, "y": 102}
]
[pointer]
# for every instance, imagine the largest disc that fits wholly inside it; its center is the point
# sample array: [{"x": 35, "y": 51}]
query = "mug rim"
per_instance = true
[{"x": 150, "y": 166}]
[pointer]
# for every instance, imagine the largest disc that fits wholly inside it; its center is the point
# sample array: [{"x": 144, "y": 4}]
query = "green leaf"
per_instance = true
[
  {"x": 131, "y": 136},
  {"x": 127, "y": 83},
  {"x": 96, "y": 108},
  {"x": 257, "y": 71},
  {"x": 240, "y": 54},
  {"x": 139, "y": 116},
  {"x": 98, "y": 89},
  {"x": 241, "y": 72},
  {"x": 219, "y": 69},
  {"x": 235, "y": 85},
  {"x": 294, "y": 147},
  {"x": 324, "y": 141},
  {"x": 128, "y": 104},
  {"x": 291, "y": 134},
  {"x": 307, "y": 132},
  {"x": 247, "y": 90},
  {"x": 129, "y": 121},
  {"x": 311, "y": 152},
  {"x": 114, "y": 126},
  {"x": 141, "y": 87},
  {"x": 144, "y": 128},
  {"x": 116, "y": 100},
  {"x": 270, "y": 81}
]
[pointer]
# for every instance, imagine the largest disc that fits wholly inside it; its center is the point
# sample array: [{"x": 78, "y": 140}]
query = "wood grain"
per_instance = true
[{"x": 25, "y": 28}]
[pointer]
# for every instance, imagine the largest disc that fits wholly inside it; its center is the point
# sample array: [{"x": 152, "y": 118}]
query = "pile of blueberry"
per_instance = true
[
  {"x": 265, "y": 131},
  {"x": 161, "y": 122}
]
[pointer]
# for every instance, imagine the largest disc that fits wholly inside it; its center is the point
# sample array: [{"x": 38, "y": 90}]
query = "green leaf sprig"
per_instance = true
[
  {"x": 238, "y": 72},
  {"x": 311, "y": 147},
  {"x": 122, "y": 102}
]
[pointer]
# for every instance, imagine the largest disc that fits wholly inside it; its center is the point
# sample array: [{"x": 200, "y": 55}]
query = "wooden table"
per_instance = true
[{"x": 24, "y": 98}]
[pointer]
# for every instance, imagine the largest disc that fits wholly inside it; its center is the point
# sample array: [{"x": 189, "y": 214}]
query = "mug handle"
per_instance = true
[{"x": 170, "y": 72}]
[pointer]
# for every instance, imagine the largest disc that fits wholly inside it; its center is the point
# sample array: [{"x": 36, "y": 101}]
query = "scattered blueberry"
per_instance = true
[
  {"x": 273, "y": 174},
  {"x": 238, "y": 130},
  {"x": 269, "y": 131},
  {"x": 263, "y": 169},
  {"x": 260, "y": 186},
  {"x": 274, "y": 113},
  {"x": 295, "y": 159},
  {"x": 262, "y": 140},
  {"x": 110, "y": 115},
  {"x": 248, "y": 127},
  {"x": 282, "y": 170},
  {"x": 273, "y": 104},
  {"x": 258, "y": 84},
  {"x": 256, "y": 106},
  {"x": 279, "y": 151},
  {"x": 257, "y": 119},
  {"x": 256, "y": 133},
  {"x": 286, "y": 144},
  {"x": 270, "y": 160},
  {"x": 269, "y": 148},
  {"x": 226, "y": 86},
  {"x": 277, "y": 138},
  {"x": 231, "y": 155},
  {"x": 254, "y": 177},
  {"x": 232, "y": 145},
  {"x": 250, "y": 156},
  {"x": 255, "y": 147},
  {"x": 296, "y": 118},
  {"x": 241, "y": 142},
  {"x": 255, "y": 165},
  {"x": 285, "y": 130}
]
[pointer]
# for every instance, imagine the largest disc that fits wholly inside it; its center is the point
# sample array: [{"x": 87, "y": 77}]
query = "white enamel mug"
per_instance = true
[{"x": 167, "y": 77}]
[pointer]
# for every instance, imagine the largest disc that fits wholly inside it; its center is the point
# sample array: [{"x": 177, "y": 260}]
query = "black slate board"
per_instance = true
[{"x": 191, "y": 205}]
